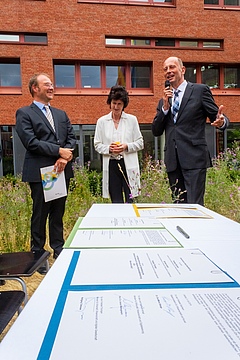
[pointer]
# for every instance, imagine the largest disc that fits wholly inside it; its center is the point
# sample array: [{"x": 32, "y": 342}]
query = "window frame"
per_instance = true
[
  {"x": 220, "y": 90},
  {"x": 165, "y": 3},
  {"x": 22, "y": 38},
  {"x": 103, "y": 89},
  {"x": 11, "y": 89},
  {"x": 177, "y": 43},
  {"x": 221, "y": 6}
]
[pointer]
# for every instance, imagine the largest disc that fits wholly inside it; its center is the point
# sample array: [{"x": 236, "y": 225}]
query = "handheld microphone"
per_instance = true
[{"x": 167, "y": 84}]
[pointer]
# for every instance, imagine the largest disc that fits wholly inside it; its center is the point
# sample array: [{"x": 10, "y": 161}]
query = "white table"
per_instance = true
[{"x": 73, "y": 316}]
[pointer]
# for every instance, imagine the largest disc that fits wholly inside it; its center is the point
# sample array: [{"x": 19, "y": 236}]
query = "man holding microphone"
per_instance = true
[{"x": 182, "y": 113}]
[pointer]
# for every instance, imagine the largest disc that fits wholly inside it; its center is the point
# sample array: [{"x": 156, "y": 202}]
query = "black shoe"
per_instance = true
[{"x": 42, "y": 270}]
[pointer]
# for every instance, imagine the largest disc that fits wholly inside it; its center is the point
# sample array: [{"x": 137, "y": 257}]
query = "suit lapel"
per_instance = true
[
  {"x": 43, "y": 117},
  {"x": 186, "y": 95}
]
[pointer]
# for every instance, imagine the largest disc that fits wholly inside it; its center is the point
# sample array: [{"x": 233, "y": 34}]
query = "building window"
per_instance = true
[
  {"x": 216, "y": 76},
  {"x": 232, "y": 2},
  {"x": 10, "y": 38},
  {"x": 222, "y": 3},
  {"x": 115, "y": 75},
  {"x": 89, "y": 77},
  {"x": 231, "y": 77},
  {"x": 188, "y": 43},
  {"x": 10, "y": 74},
  {"x": 233, "y": 134},
  {"x": 212, "y": 2},
  {"x": 212, "y": 44},
  {"x": 25, "y": 38},
  {"x": 191, "y": 74},
  {"x": 140, "y": 77},
  {"x": 140, "y": 42},
  {"x": 165, "y": 43},
  {"x": 135, "y": 2},
  {"x": 7, "y": 149},
  {"x": 115, "y": 41},
  {"x": 35, "y": 38},
  {"x": 82, "y": 76},
  {"x": 64, "y": 76},
  {"x": 210, "y": 75}
]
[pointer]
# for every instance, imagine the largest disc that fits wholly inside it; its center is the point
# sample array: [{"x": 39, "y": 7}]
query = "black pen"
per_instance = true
[{"x": 182, "y": 232}]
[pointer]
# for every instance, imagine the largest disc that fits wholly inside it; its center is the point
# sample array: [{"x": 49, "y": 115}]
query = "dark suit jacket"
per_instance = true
[
  {"x": 40, "y": 140},
  {"x": 188, "y": 134}
]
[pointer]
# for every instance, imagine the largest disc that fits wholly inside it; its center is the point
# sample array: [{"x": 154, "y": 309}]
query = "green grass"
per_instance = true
[{"x": 222, "y": 195}]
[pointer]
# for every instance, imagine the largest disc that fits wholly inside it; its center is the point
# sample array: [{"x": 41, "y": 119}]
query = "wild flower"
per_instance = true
[{"x": 133, "y": 181}]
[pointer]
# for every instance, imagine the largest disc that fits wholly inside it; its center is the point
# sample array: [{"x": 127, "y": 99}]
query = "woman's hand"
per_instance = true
[{"x": 117, "y": 148}]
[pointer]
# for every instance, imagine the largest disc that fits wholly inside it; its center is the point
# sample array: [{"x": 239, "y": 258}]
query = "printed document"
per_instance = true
[{"x": 54, "y": 184}]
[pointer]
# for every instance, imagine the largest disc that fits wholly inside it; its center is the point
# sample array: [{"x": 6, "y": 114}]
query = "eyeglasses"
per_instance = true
[{"x": 48, "y": 85}]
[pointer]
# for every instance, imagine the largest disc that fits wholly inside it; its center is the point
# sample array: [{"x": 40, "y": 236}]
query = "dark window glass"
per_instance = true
[
  {"x": 191, "y": 74},
  {"x": 35, "y": 39},
  {"x": 10, "y": 75},
  {"x": 140, "y": 77},
  {"x": 64, "y": 76},
  {"x": 211, "y": 2},
  {"x": 7, "y": 149},
  {"x": 231, "y": 77},
  {"x": 233, "y": 134},
  {"x": 188, "y": 43},
  {"x": 210, "y": 75},
  {"x": 150, "y": 2},
  {"x": 115, "y": 75},
  {"x": 140, "y": 42},
  {"x": 90, "y": 76},
  {"x": 164, "y": 42},
  {"x": 232, "y": 2}
]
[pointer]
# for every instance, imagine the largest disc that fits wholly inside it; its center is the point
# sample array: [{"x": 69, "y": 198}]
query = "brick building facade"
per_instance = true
[{"x": 88, "y": 46}]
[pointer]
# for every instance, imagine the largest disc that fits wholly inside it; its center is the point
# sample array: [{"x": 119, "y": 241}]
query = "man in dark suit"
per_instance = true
[
  {"x": 186, "y": 154},
  {"x": 45, "y": 145}
]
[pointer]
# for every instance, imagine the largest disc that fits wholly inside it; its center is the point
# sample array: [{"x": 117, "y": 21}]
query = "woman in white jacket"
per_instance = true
[{"x": 118, "y": 139}]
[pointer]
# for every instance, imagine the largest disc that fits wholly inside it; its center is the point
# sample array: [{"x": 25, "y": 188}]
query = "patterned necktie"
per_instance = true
[
  {"x": 175, "y": 105},
  {"x": 49, "y": 116}
]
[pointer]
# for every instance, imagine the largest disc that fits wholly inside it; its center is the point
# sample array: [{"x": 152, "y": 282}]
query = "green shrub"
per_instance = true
[
  {"x": 223, "y": 186},
  {"x": 15, "y": 213}
]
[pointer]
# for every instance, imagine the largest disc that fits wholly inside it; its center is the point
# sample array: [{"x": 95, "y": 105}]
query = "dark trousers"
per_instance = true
[
  {"x": 188, "y": 186},
  {"x": 54, "y": 210},
  {"x": 118, "y": 182}
]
